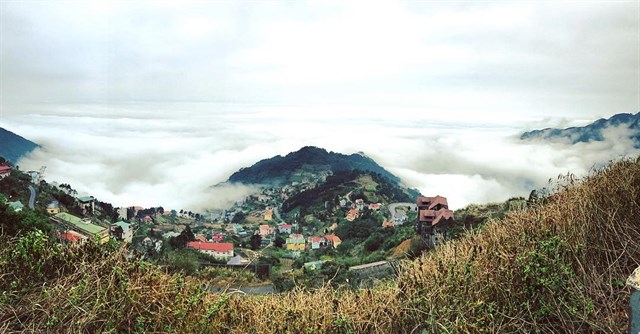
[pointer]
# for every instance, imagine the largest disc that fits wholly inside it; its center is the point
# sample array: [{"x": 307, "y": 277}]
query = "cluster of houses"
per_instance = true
[
  {"x": 297, "y": 242},
  {"x": 434, "y": 219}
]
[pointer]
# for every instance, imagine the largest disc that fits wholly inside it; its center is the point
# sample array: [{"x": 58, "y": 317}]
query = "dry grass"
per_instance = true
[{"x": 557, "y": 268}]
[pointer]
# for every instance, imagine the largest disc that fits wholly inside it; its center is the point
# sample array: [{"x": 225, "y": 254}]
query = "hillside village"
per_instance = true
[{"x": 349, "y": 220}]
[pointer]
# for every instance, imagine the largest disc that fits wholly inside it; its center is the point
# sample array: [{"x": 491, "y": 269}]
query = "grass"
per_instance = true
[{"x": 554, "y": 268}]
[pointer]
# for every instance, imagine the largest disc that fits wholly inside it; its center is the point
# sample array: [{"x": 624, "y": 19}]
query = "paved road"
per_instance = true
[{"x": 32, "y": 198}]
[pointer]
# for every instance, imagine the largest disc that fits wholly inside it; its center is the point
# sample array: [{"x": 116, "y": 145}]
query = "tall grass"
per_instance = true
[{"x": 555, "y": 268}]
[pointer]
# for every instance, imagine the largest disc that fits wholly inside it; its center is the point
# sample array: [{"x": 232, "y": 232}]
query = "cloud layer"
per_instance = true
[{"x": 173, "y": 160}]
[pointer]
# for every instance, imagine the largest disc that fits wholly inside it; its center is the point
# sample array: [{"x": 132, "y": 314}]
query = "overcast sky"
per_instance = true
[{"x": 132, "y": 89}]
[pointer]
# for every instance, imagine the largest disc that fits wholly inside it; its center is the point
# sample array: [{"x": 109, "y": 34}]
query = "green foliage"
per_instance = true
[
  {"x": 184, "y": 261},
  {"x": 16, "y": 223}
]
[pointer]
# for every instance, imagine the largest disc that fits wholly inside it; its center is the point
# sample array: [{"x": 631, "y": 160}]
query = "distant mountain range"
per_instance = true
[
  {"x": 13, "y": 146},
  {"x": 591, "y": 132},
  {"x": 279, "y": 170}
]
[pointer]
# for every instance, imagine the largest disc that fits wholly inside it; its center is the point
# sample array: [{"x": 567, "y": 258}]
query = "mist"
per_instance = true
[{"x": 174, "y": 158}]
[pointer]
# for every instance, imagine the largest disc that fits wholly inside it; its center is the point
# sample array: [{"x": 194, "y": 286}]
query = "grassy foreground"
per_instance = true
[{"x": 556, "y": 268}]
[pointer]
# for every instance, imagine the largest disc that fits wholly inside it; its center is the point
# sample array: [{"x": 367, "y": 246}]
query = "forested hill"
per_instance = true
[
  {"x": 591, "y": 132},
  {"x": 370, "y": 187},
  {"x": 279, "y": 169},
  {"x": 13, "y": 146}
]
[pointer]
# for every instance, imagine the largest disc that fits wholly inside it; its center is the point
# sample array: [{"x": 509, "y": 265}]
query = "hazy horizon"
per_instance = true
[{"x": 150, "y": 103}]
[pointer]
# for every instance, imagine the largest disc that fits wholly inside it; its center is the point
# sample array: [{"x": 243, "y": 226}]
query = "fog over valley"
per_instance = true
[{"x": 173, "y": 159}]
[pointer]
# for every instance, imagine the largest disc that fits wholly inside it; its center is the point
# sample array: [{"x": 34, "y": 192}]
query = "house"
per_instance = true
[
  {"x": 87, "y": 203},
  {"x": 70, "y": 237},
  {"x": 219, "y": 250},
  {"x": 333, "y": 226},
  {"x": 268, "y": 215},
  {"x": 200, "y": 238},
  {"x": 17, "y": 206},
  {"x": 434, "y": 219},
  {"x": 4, "y": 171},
  {"x": 265, "y": 230},
  {"x": 295, "y": 242},
  {"x": 333, "y": 240},
  {"x": 53, "y": 208},
  {"x": 68, "y": 221},
  {"x": 359, "y": 204},
  {"x": 121, "y": 231},
  {"x": 388, "y": 224},
  {"x": 317, "y": 242},
  {"x": 284, "y": 228},
  {"x": 352, "y": 215},
  {"x": 375, "y": 206},
  {"x": 217, "y": 237}
]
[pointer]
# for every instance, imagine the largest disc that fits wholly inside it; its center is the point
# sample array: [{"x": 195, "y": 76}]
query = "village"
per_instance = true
[{"x": 254, "y": 227}]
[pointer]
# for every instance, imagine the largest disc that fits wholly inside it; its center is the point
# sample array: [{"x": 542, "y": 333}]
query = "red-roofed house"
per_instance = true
[
  {"x": 217, "y": 237},
  {"x": 219, "y": 250},
  {"x": 201, "y": 238},
  {"x": 265, "y": 230},
  {"x": 70, "y": 237},
  {"x": 388, "y": 224},
  {"x": 434, "y": 219},
  {"x": 333, "y": 240},
  {"x": 4, "y": 171},
  {"x": 317, "y": 242},
  {"x": 284, "y": 228},
  {"x": 375, "y": 206},
  {"x": 352, "y": 214}
]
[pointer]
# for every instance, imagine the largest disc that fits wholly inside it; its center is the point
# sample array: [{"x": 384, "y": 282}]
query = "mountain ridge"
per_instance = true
[
  {"x": 590, "y": 132},
  {"x": 281, "y": 169},
  {"x": 13, "y": 146}
]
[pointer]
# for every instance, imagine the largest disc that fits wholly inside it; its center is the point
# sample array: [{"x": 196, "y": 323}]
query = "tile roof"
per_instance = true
[
  {"x": 211, "y": 246},
  {"x": 4, "y": 169}
]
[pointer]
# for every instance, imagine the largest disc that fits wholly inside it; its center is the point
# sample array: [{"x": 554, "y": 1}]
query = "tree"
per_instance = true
[
  {"x": 256, "y": 241},
  {"x": 279, "y": 242}
]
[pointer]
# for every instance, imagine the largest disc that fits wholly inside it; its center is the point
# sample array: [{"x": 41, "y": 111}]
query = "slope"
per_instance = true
[
  {"x": 280, "y": 170},
  {"x": 13, "y": 146}
]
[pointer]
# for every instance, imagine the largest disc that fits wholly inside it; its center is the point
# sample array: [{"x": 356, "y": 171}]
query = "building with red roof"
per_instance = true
[
  {"x": 4, "y": 171},
  {"x": 434, "y": 219},
  {"x": 219, "y": 250},
  {"x": 333, "y": 240}
]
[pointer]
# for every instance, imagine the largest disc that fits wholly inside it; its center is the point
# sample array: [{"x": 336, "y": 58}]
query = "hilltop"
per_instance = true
[
  {"x": 557, "y": 267},
  {"x": 590, "y": 132},
  {"x": 13, "y": 147},
  {"x": 292, "y": 167}
]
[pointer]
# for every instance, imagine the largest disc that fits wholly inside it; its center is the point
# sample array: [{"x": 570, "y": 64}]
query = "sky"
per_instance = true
[{"x": 150, "y": 103}]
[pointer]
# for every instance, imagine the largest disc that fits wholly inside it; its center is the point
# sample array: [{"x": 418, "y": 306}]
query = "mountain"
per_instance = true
[
  {"x": 371, "y": 187},
  {"x": 309, "y": 159},
  {"x": 591, "y": 132},
  {"x": 13, "y": 146}
]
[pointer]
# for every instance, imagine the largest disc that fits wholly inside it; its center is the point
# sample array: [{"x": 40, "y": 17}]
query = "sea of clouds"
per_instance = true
[{"x": 171, "y": 154}]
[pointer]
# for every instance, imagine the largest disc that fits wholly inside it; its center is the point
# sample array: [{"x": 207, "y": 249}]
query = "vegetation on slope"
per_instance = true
[
  {"x": 279, "y": 169},
  {"x": 555, "y": 268}
]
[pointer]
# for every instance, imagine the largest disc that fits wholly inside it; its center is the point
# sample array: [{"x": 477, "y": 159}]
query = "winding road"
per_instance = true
[{"x": 32, "y": 198}]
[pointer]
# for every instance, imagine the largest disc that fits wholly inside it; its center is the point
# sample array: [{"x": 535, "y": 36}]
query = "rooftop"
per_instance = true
[
  {"x": 79, "y": 223},
  {"x": 211, "y": 246}
]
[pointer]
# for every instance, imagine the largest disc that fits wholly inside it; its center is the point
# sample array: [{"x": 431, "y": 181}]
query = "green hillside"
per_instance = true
[
  {"x": 279, "y": 169},
  {"x": 557, "y": 267}
]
